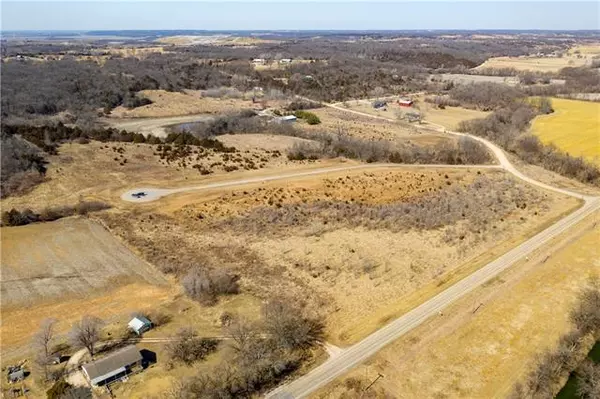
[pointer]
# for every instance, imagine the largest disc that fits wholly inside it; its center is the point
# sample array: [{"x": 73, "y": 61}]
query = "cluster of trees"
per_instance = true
[
  {"x": 22, "y": 165},
  {"x": 263, "y": 352},
  {"x": 544, "y": 381},
  {"x": 486, "y": 96},
  {"x": 205, "y": 286},
  {"x": 187, "y": 347},
  {"x": 464, "y": 151},
  {"x": 506, "y": 127},
  {"x": 480, "y": 206},
  {"x": 32, "y": 89},
  {"x": 27, "y": 216}
]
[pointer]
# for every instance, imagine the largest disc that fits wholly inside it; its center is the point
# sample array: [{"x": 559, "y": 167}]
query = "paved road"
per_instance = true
[
  {"x": 350, "y": 357},
  {"x": 155, "y": 126},
  {"x": 358, "y": 353}
]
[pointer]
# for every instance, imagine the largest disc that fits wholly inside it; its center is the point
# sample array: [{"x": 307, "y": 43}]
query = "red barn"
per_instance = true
[{"x": 405, "y": 102}]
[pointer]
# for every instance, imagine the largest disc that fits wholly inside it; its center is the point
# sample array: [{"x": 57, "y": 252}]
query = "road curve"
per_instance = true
[
  {"x": 358, "y": 353},
  {"x": 350, "y": 357},
  {"x": 496, "y": 151}
]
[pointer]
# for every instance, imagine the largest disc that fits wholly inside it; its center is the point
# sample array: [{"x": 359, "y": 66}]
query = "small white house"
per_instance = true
[
  {"x": 285, "y": 61},
  {"x": 258, "y": 61},
  {"x": 139, "y": 325}
]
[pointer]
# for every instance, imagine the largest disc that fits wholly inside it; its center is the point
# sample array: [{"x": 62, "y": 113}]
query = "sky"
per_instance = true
[{"x": 294, "y": 15}]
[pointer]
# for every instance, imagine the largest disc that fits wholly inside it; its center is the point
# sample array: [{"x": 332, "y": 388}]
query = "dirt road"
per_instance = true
[
  {"x": 155, "y": 126},
  {"x": 153, "y": 194},
  {"x": 358, "y": 353}
]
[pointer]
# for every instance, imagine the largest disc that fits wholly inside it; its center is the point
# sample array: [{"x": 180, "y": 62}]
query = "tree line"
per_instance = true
[
  {"x": 544, "y": 381},
  {"x": 507, "y": 126}
]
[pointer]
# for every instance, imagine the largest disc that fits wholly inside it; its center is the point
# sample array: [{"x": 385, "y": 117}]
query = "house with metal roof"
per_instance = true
[
  {"x": 286, "y": 119},
  {"x": 139, "y": 325},
  {"x": 115, "y": 366}
]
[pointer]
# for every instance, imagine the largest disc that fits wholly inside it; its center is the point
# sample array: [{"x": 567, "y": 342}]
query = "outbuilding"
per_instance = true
[
  {"x": 16, "y": 375},
  {"x": 378, "y": 104},
  {"x": 139, "y": 325},
  {"x": 117, "y": 365},
  {"x": 405, "y": 102}
]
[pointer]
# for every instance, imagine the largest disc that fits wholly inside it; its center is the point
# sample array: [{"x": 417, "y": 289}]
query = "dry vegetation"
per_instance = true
[
  {"x": 165, "y": 103},
  {"x": 345, "y": 242},
  {"x": 491, "y": 338},
  {"x": 101, "y": 170}
]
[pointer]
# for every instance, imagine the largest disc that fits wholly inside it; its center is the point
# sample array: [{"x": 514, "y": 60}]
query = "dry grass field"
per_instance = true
[
  {"x": 96, "y": 170},
  {"x": 165, "y": 103},
  {"x": 574, "y": 127},
  {"x": 372, "y": 129},
  {"x": 358, "y": 273},
  {"x": 481, "y": 354},
  {"x": 449, "y": 117}
]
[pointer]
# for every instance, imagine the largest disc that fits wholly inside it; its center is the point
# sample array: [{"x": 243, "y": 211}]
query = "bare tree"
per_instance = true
[
  {"x": 587, "y": 315},
  {"x": 86, "y": 333},
  {"x": 188, "y": 348},
  {"x": 242, "y": 332},
  {"x": 588, "y": 380},
  {"x": 290, "y": 326},
  {"x": 42, "y": 342},
  {"x": 378, "y": 92}
]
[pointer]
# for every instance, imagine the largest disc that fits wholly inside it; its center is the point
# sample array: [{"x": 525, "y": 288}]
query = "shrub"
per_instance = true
[
  {"x": 309, "y": 117},
  {"x": 27, "y": 216},
  {"x": 188, "y": 348}
]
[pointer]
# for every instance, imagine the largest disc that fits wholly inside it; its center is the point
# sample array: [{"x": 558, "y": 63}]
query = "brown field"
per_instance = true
[
  {"x": 67, "y": 257},
  {"x": 269, "y": 142},
  {"x": 165, "y": 103},
  {"x": 468, "y": 354},
  {"x": 541, "y": 64},
  {"x": 352, "y": 274}
]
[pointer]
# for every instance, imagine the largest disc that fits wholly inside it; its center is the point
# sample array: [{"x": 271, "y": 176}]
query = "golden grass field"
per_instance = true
[
  {"x": 541, "y": 64},
  {"x": 463, "y": 354},
  {"x": 574, "y": 127},
  {"x": 353, "y": 274}
]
